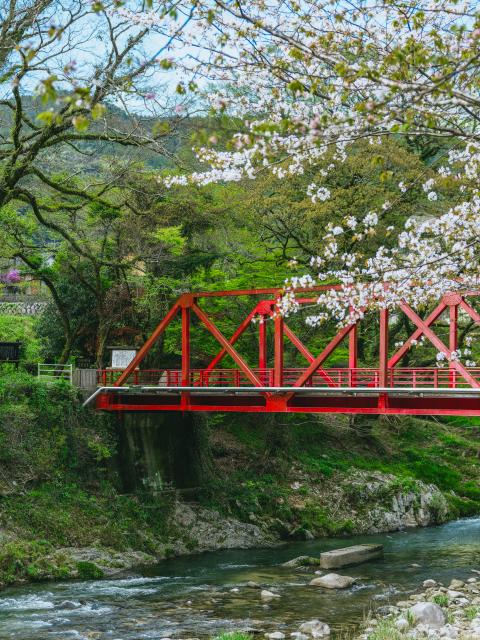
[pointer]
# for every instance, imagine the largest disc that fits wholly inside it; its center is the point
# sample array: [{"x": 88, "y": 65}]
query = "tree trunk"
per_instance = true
[
  {"x": 67, "y": 347},
  {"x": 103, "y": 333}
]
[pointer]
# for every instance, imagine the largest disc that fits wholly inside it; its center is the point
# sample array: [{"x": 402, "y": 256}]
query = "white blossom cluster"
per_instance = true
[{"x": 425, "y": 263}]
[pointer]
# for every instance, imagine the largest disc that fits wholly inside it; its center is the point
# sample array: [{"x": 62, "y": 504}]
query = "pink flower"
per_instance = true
[{"x": 12, "y": 277}]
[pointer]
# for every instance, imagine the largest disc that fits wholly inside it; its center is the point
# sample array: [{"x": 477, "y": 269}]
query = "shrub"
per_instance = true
[{"x": 89, "y": 571}]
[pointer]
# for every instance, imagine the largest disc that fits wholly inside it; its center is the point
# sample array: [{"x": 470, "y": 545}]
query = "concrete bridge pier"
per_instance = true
[{"x": 158, "y": 450}]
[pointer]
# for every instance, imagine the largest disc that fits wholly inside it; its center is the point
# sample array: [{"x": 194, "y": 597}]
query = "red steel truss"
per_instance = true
[{"x": 271, "y": 387}]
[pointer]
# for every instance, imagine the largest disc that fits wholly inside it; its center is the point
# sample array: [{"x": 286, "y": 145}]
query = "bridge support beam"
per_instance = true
[
  {"x": 279, "y": 348},
  {"x": 453, "y": 340},
  {"x": 185, "y": 347},
  {"x": 262, "y": 344},
  {"x": 383, "y": 350},
  {"x": 383, "y": 380},
  {"x": 353, "y": 354}
]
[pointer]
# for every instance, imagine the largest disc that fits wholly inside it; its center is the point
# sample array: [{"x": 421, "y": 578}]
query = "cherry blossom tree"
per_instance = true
[{"x": 309, "y": 77}]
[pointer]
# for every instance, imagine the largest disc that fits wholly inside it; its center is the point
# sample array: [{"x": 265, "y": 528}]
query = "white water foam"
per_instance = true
[
  {"x": 128, "y": 587},
  {"x": 27, "y": 603},
  {"x": 71, "y": 633}
]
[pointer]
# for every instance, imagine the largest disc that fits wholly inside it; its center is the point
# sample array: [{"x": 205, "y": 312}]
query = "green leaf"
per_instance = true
[
  {"x": 161, "y": 128},
  {"x": 295, "y": 86},
  {"x": 80, "y": 123},
  {"x": 97, "y": 111},
  {"x": 46, "y": 117}
]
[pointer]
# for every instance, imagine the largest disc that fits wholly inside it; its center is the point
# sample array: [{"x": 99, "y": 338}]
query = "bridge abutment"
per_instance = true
[{"x": 158, "y": 450}]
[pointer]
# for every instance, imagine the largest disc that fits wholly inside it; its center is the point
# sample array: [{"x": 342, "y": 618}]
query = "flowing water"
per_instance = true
[{"x": 191, "y": 596}]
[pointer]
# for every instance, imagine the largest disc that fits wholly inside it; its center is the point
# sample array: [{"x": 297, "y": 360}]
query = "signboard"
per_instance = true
[{"x": 121, "y": 358}]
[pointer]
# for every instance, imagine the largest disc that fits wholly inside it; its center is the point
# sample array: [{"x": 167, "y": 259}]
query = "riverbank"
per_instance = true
[
  {"x": 113, "y": 543},
  {"x": 65, "y": 511}
]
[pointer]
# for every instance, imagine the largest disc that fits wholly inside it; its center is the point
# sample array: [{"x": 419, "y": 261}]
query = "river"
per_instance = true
[{"x": 191, "y": 596}]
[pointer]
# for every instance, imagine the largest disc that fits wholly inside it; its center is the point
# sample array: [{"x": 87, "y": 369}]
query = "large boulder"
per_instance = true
[
  {"x": 315, "y": 629},
  {"x": 427, "y": 613},
  {"x": 350, "y": 555},
  {"x": 213, "y": 531},
  {"x": 333, "y": 581}
]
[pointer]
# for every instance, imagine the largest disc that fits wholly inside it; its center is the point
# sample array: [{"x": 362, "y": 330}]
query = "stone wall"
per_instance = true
[{"x": 23, "y": 307}]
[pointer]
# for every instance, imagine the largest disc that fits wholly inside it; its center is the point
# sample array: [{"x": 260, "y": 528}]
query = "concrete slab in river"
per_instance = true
[{"x": 350, "y": 555}]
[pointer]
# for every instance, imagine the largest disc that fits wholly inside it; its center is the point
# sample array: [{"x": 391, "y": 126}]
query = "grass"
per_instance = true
[
  {"x": 447, "y": 453},
  {"x": 58, "y": 486},
  {"x": 28, "y": 560},
  {"x": 68, "y": 515},
  {"x": 22, "y": 328},
  {"x": 386, "y": 630},
  {"x": 441, "y": 600},
  {"x": 89, "y": 571},
  {"x": 472, "y": 612}
]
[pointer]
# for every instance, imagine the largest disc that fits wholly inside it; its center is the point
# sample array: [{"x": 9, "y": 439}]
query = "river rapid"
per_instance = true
[{"x": 191, "y": 596}]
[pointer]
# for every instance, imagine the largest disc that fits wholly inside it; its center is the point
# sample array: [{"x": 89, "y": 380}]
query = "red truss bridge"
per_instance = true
[{"x": 267, "y": 385}]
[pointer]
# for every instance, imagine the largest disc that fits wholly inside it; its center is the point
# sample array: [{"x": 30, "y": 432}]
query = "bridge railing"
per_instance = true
[{"x": 330, "y": 377}]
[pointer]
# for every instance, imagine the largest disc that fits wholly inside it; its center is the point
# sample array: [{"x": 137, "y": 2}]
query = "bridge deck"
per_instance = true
[{"x": 425, "y": 391}]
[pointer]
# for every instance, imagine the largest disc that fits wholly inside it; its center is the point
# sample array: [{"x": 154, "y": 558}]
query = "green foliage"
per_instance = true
[
  {"x": 246, "y": 494},
  {"x": 58, "y": 485},
  {"x": 320, "y": 447},
  {"x": 472, "y": 612},
  {"x": 316, "y": 519},
  {"x": 44, "y": 431},
  {"x": 80, "y": 303},
  {"x": 385, "y": 630},
  {"x": 67, "y": 514},
  {"x": 28, "y": 560},
  {"x": 89, "y": 571},
  {"x": 172, "y": 237},
  {"x": 233, "y": 635},
  {"x": 462, "y": 506},
  {"x": 22, "y": 328},
  {"x": 441, "y": 600}
]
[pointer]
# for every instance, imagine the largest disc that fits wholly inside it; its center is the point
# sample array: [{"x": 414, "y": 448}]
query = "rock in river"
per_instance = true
[
  {"x": 301, "y": 561},
  {"x": 333, "y": 581},
  {"x": 456, "y": 584},
  {"x": 315, "y": 629},
  {"x": 427, "y": 613},
  {"x": 429, "y": 584},
  {"x": 268, "y": 595},
  {"x": 350, "y": 555}
]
